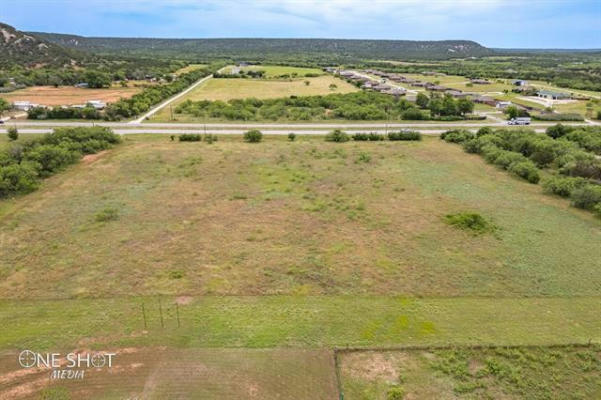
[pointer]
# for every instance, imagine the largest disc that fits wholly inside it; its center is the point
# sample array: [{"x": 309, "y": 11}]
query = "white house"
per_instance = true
[
  {"x": 503, "y": 104},
  {"x": 97, "y": 104},
  {"x": 23, "y": 105}
]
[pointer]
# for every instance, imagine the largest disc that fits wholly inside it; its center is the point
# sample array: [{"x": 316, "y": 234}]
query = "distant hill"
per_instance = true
[
  {"x": 260, "y": 49},
  {"x": 22, "y": 48}
]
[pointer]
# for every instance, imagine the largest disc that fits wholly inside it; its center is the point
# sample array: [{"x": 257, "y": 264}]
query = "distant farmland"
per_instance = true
[
  {"x": 68, "y": 95},
  {"x": 228, "y": 89}
]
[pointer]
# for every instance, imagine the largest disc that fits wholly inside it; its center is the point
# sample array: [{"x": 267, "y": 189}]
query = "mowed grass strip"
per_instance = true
[
  {"x": 303, "y": 217},
  {"x": 298, "y": 321}
]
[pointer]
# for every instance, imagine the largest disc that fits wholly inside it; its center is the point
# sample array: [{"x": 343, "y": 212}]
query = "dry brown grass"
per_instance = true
[
  {"x": 296, "y": 218},
  {"x": 160, "y": 373},
  {"x": 67, "y": 95}
]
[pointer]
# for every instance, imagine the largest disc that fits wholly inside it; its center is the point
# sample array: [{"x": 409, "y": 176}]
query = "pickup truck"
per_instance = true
[{"x": 519, "y": 121}]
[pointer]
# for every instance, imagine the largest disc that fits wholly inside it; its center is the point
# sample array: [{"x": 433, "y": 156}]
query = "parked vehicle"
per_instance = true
[{"x": 519, "y": 121}]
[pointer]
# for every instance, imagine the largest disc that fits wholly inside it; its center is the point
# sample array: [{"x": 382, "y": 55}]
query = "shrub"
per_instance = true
[
  {"x": 413, "y": 114},
  {"x": 505, "y": 158},
  {"x": 337, "y": 135},
  {"x": 22, "y": 166},
  {"x": 405, "y": 135},
  {"x": 485, "y": 130},
  {"x": 210, "y": 138},
  {"x": 557, "y": 131},
  {"x": 107, "y": 214},
  {"x": 360, "y": 136},
  {"x": 292, "y": 136},
  {"x": 395, "y": 393},
  {"x": 559, "y": 117},
  {"x": 562, "y": 186},
  {"x": 13, "y": 133},
  {"x": 374, "y": 137},
  {"x": 457, "y": 136},
  {"x": 190, "y": 137},
  {"x": 364, "y": 158},
  {"x": 18, "y": 178},
  {"x": 526, "y": 170},
  {"x": 253, "y": 136},
  {"x": 470, "y": 221},
  {"x": 587, "y": 197},
  {"x": 597, "y": 208}
]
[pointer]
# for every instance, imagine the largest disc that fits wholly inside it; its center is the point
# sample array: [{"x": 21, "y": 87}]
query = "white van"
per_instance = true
[{"x": 519, "y": 121}]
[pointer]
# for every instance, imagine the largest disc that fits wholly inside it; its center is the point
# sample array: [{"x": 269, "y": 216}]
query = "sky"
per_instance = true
[{"x": 492, "y": 23}]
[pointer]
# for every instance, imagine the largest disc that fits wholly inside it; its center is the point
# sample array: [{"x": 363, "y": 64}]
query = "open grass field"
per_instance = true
[
  {"x": 499, "y": 373},
  {"x": 273, "y": 71},
  {"x": 68, "y": 95},
  {"x": 189, "y": 68},
  {"x": 306, "y": 217},
  {"x": 232, "y": 270},
  {"x": 228, "y": 89}
]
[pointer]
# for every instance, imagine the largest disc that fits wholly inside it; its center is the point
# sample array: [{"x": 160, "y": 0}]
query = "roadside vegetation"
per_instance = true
[
  {"x": 566, "y": 158},
  {"x": 23, "y": 166},
  {"x": 351, "y": 106}
]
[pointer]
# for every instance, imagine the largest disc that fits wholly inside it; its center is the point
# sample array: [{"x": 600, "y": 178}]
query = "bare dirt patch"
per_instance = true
[{"x": 67, "y": 95}]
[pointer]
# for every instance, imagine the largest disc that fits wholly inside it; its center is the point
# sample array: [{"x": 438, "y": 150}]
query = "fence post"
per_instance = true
[
  {"x": 144, "y": 316},
  {"x": 177, "y": 313},
  {"x": 161, "y": 312}
]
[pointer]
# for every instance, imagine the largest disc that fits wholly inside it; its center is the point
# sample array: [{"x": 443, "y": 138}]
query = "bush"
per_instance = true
[
  {"x": 18, "y": 179},
  {"x": 505, "y": 158},
  {"x": 457, "y": 136},
  {"x": 413, "y": 114},
  {"x": 405, "y": 135},
  {"x": 558, "y": 117},
  {"x": 107, "y": 214},
  {"x": 526, "y": 170},
  {"x": 360, "y": 136},
  {"x": 587, "y": 197},
  {"x": 374, "y": 137},
  {"x": 562, "y": 186},
  {"x": 337, "y": 135},
  {"x": 253, "y": 136},
  {"x": 21, "y": 167},
  {"x": 210, "y": 138},
  {"x": 190, "y": 137},
  {"x": 557, "y": 131},
  {"x": 395, "y": 393},
  {"x": 13, "y": 133},
  {"x": 485, "y": 130},
  {"x": 364, "y": 158},
  {"x": 470, "y": 221},
  {"x": 292, "y": 136}
]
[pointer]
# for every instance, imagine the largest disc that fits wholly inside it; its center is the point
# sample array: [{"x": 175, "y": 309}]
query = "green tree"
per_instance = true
[
  {"x": 465, "y": 106},
  {"x": 4, "y": 106},
  {"x": 512, "y": 112},
  {"x": 253, "y": 136},
  {"x": 13, "y": 133},
  {"x": 422, "y": 100}
]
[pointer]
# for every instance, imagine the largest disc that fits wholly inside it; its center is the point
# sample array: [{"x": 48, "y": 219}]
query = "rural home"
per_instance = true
[
  {"x": 549, "y": 94},
  {"x": 485, "y": 100},
  {"x": 456, "y": 93},
  {"x": 503, "y": 104},
  {"x": 519, "y": 82},
  {"x": 24, "y": 105}
]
